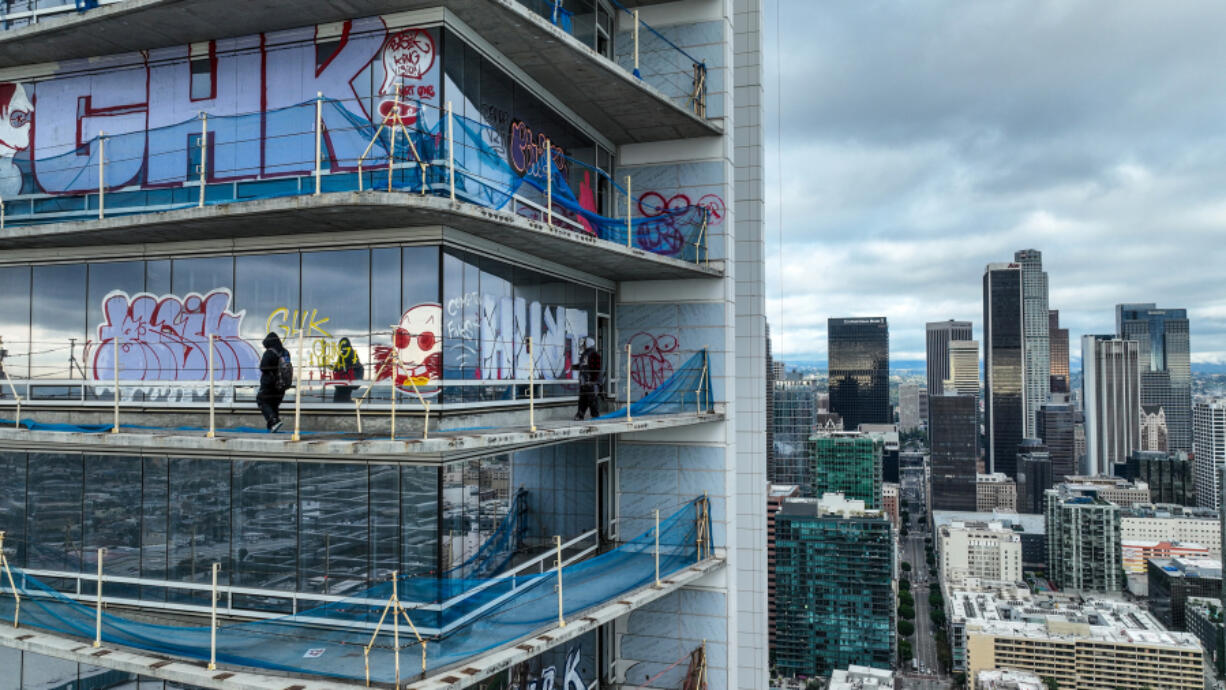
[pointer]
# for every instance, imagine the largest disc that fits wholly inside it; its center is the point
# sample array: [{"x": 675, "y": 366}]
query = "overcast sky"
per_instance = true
[{"x": 922, "y": 140}]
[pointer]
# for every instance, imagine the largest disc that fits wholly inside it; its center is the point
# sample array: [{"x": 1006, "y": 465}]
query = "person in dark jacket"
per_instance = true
[
  {"x": 589, "y": 379},
  {"x": 271, "y": 394},
  {"x": 348, "y": 368}
]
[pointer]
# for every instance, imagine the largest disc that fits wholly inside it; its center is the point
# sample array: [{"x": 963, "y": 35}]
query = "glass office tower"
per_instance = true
[
  {"x": 859, "y": 368},
  {"x": 1166, "y": 365},
  {"x": 1002, "y": 354}
]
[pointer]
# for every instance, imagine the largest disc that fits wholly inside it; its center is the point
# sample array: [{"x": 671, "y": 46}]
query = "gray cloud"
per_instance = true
[{"x": 924, "y": 140}]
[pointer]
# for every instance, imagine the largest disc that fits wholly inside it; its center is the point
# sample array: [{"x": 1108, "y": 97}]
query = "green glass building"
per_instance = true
[
  {"x": 846, "y": 462},
  {"x": 834, "y": 587}
]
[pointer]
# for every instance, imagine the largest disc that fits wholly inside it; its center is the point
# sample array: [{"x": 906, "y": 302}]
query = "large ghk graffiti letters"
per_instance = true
[
  {"x": 571, "y": 678},
  {"x": 167, "y": 339}
]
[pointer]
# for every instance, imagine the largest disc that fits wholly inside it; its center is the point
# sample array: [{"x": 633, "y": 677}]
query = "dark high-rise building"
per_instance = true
[
  {"x": 938, "y": 335},
  {"x": 859, "y": 367},
  {"x": 1057, "y": 429},
  {"x": 1169, "y": 475},
  {"x": 834, "y": 587},
  {"x": 1034, "y": 475},
  {"x": 1173, "y": 580},
  {"x": 1165, "y": 361},
  {"x": 1002, "y": 368},
  {"x": 954, "y": 443},
  {"x": 1058, "y": 339}
]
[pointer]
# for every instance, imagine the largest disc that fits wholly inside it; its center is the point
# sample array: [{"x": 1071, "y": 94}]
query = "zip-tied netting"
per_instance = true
[
  {"x": 479, "y": 615},
  {"x": 491, "y": 167},
  {"x": 687, "y": 390}
]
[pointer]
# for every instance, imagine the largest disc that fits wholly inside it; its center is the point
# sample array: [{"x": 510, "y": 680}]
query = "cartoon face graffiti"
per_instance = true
[
  {"x": 407, "y": 55},
  {"x": 650, "y": 358},
  {"x": 16, "y": 114},
  {"x": 416, "y": 350}
]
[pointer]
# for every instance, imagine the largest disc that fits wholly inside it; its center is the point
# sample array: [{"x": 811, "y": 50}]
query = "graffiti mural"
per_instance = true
[
  {"x": 651, "y": 359},
  {"x": 415, "y": 357},
  {"x": 571, "y": 679},
  {"x": 676, "y": 218},
  {"x": 167, "y": 339},
  {"x": 258, "y": 92},
  {"x": 16, "y": 113}
]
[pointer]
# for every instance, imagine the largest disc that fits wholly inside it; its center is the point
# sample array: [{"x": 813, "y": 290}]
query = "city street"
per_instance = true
[{"x": 928, "y": 676}]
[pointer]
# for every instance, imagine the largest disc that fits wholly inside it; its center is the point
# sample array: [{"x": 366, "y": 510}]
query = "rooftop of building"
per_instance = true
[
  {"x": 1014, "y": 612},
  {"x": 856, "y": 677},
  {"x": 977, "y": 526},
  {"x": 1169, "y": 510},
  {"x": 783, "y": 490},
  {"x": 1008, "y": 679},
  {"x": 1162, "y": 544},
  {"x": 1189, "y": 568},
  {"x": 993, "y": 478},
  {"x": 831, "y": 504},
  {"x": 1026, "y": 523}
]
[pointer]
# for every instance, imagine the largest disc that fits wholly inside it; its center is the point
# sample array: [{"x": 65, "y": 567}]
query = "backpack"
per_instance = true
[{"x": 285, "y": 371}]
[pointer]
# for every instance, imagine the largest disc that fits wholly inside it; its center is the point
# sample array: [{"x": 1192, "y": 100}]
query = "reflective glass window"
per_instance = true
[
  {"x": 202, "y": 276},
  {"x": 13, "y": 505},
  {"x": 153, "y": 525},
  {"x": 53, "y": 512},
  {"x": 419, "y": 519},
  {"x": 58, "y": 317},
  {"x": 384, "y": 521},
  {"x": 157, "y": 277},
  {"x": 15, "y": 320},
  {"x": 112, "y": 491},
  {"x": 335, "y": 286},
  {"x": 266, "y": 288},
  {"x": 199, "y": 522},
  {"x": 265, "y": 544},
  {"x": 334, "y": 533}
]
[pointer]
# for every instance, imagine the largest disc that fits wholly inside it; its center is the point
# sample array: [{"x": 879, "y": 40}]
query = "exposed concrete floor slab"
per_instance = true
[
  {"x": 368, "y": 210},
  {"x": 439, "y": 447},
  {"x": 463, "y": 675},
  {"x": 624, "y": 108}
]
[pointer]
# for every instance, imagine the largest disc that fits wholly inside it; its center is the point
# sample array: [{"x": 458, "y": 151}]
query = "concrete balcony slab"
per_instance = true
[
  {"x": 368, "y": 210},
  {"x": 441, "y": 446},
  {"x": 624, "y": 108}
]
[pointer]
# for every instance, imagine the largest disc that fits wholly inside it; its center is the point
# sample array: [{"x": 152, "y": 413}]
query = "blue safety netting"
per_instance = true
[
  {"x": 687, "y": 390},
  {"x": 481, "y": 615},
  {"x": 491, "y": 167}
]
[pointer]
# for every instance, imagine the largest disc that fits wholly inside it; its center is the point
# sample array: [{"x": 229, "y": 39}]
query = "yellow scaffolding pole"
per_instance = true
[
  {"x": 4, "y": 561},
  {"x": 397, "y": 609}
]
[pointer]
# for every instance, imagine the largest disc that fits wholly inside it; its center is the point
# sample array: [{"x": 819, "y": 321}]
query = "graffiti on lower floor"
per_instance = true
[{"x": 650, "y": 358}]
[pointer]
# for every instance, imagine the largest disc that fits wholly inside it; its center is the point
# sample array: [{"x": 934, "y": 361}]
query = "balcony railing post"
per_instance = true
[
  {"x": 636, "y": 45},
  {"x": 629, "y": 213},
  {"x": 16, "y": 395},
  {"x": 298, "y": 381},
  {"x": 396, "y": 629},
  {"x": 115, "y": 427},
  {"x": 657, "y": 533},
  {"x": 451, "y": 149},
  {"x": 1, "y": 213},
  {"x": 628, "y": 384},
  {"x": 213, "y": 622},
  {"x": 204, "y": 154},
  {"x": 98, "y": 604},
  {"x": 212, "y": 400},
  {"x": 531, "y": 389},
  {"x": 101, "y": 174},
  {"x": 395, "y": 373},
  {"x": 549, "y": 181},
  {"x": 319, "y": 138},
  {"x": 557, "y": 540},
  {"x": 4, "y": 562}
]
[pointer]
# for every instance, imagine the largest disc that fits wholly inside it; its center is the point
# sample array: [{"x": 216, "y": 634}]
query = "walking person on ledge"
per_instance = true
[
  {"x": 274, "y": 380},
  {"x": 589, "y": 379}
]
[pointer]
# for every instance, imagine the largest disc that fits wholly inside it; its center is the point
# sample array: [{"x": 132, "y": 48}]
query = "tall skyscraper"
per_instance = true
[
  {"x": 858, "y": 359},
  {"x": 834, "y": 586},
  {"x": 954, "y": 443},
  {"x": 1110, "y": 383},
  {"x": 963, "y": 368},
  {"x": 1034, "y": 476},
  {"x": 1209, "y": 450},
  {"x": 909, "y": 406},
  {"x": 1036, "y": 352},
  {"x": 1166, "y": 364},
  {"x": 1002, "y": 365},
  {"x": 1057, "y": 429},
  {"x": 938, "y": 335},
  {"x": 847, "y": 462},
  {"x": 1058, "y": 339},
  {"x": 795, "y": 419}
]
